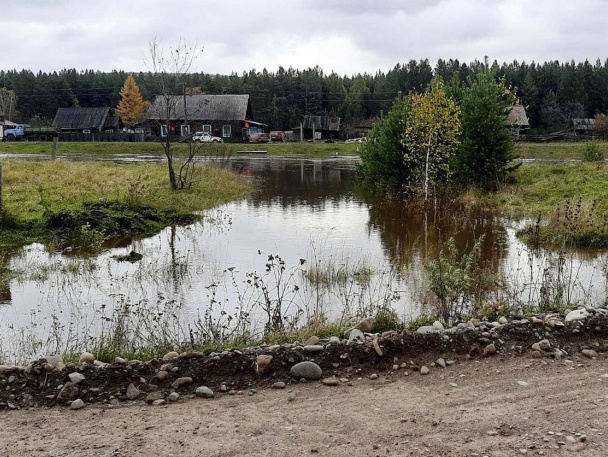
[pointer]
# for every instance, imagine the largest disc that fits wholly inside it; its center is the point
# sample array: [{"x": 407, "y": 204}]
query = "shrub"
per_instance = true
[{"x": 592, "y": 152}]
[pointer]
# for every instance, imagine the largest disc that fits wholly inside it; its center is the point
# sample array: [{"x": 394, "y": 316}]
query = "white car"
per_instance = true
[{"x": 205, "y": 137}]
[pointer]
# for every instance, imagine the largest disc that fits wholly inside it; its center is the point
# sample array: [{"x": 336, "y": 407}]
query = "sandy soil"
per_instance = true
[{"x": 563, "y": 410}]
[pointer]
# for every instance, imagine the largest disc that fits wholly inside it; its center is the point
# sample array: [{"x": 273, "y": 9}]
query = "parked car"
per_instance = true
[
  {"x": 276, "y": 135},
  {"x": 259, "y": 138},
  {"x": 205, "y": 137}
]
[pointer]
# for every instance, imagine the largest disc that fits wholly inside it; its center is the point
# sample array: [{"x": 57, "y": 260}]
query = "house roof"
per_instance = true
[
  {"x": 80, "y": 118},
  {"x": 583, "y": 124},
  {"x": 330, "y": 123},
  {"x": 517, "y": 116},
  {"x": 201, "y": 107}
]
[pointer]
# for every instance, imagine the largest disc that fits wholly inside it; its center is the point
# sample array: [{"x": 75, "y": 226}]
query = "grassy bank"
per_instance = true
[
  {"x": 154, "y": 149},
  {"x": 34, "y": 192},
  {"x": 555, "y": 151}
]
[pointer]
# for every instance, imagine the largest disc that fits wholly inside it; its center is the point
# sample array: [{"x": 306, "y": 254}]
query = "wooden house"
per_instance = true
[
  {"x": 517, "y": 120},
  {"x": 226, "y": 116},
  {"x": 86, "y": 120},
  {"x": 583, "y": 126},
  {"x": 319, "y": 128}
]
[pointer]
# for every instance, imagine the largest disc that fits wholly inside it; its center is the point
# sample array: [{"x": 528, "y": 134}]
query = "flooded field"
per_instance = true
[{"x": 308, "y": 245}]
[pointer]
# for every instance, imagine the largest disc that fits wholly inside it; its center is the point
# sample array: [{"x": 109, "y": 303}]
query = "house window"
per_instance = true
[
  {"x": 163, "y": 130},
  {"x": 185, "y": 129},
  {"x": 207, "y": 128},
  {"x": 226, "y": 131}
]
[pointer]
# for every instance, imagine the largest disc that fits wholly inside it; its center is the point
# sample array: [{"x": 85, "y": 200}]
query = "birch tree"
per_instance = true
[{"x": 431, "y": 136}]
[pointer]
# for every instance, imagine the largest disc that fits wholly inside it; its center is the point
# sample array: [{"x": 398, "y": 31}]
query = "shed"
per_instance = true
[
  {"x": 517, "y": 119},
  {"x": 87, "y": 120},
  {"x": 583, "y": 126},
  {"x": 228, "y": 116},
  {"x": 324, "y": 127}
]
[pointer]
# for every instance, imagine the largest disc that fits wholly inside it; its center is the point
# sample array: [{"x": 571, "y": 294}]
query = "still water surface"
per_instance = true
[{"x": 301, "y": 209}]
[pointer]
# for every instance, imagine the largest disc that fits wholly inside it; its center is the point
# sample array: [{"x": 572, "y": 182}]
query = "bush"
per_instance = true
[{"x": 592, "y": 152}]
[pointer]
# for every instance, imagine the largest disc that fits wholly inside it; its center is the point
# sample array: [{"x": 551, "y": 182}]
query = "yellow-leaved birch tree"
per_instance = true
[{"x": 431, "y": 135}]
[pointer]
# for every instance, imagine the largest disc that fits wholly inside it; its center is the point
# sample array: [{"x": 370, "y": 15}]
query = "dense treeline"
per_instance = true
[{"x": 552, "y": 92}]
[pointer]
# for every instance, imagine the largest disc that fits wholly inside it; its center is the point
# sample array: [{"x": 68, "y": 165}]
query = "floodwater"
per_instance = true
[{"x": 308, "y": 242}]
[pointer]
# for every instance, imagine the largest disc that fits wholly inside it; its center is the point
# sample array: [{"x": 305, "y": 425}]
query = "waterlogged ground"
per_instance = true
[{"x": 194, "y": 281}]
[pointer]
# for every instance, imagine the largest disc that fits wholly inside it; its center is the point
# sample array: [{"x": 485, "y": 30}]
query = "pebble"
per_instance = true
[
  {"x": 76, "y": 378},
  {"x": 355, "y": 335},
  {"x": 87, "y": 357},
  {"x": 576, "y": 315},
  {"x": 426, "y": 329},
  {"x": 440, "y": 362},
  {"x": 314, "y": 348},
  {"x": 77, "y": 404},
  {"x": 424, "y": 370},
  {"x": 132, "y": 392},
  {"x": 120, "y": 361},
  {"x": 160, "y": 401},
  {"x": 278, "y": 385},
  {"x": 204, "y": 392},
  {"x": 334, "y": 340},
  {"x": 438, "y": 325},
  {"x": 171, "y": 355},
  {"x": 503, "y": 320},
  {"x": 333, "y": 381},
  {"x": 306, "y": 370},
  {"x": 589, "y": 353},
  {"x": 490, "y": 349},
  {"x": 312, "y": 341},
  {"x": 162, "y": 375},
  {"x": 263, "y": 360},
  {"x": 179, "y": 382},
  {"x": 522, "y": 383},
  {"x": 54, "y": 363},
  {"x": 373, "y": 377},
  {"x": 173, "y": 396},
  {"x": 155, "y": 396}
]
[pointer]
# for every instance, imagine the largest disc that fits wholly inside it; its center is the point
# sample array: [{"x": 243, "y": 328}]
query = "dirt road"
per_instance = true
[{"x": 492, "y": 407}]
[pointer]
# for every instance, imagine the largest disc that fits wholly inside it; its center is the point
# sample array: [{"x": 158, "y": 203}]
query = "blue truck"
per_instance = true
[{"x": 25, "y": 132}]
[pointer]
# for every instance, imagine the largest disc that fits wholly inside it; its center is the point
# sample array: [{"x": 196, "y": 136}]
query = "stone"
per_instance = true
[
  {"x": 490, "y": 349},
  {"x": 162, "y": 375},
  {"x": 312, "y": 341},
  {"x": 576, "y": 315},
  {"x": 77, "y": 404},
  {"x": 542, "y": 346},
  {"x": 333, "y": 381},
  {"x": 373, "y": 376},
  {"x": 204, "y": 392},
  {"x": 589, "y": 353},
  {"x": 314, "y": 348},
  {"x": 159, "y": 402},
  {"x": 426, "y": 329},
  {"x": 522, "y": 383},
  {"x": 263, "y": 360},
  {"x": 76, "y": 377},
  {"x": 278, "y": 385},
  {"x": 334, "y": 340},
  {"x": 173, "y": 396},
  {"x": 192, "y": 355},
  {"x": 536, "y": 354},
  {"x": 306, "y": 370},
  {"x": 440, "y": 362},
  {"x": 120, "y": 361},
  {"x": 54, "y": 362},
  {"x": 179, "y": 382},
  {"x": 171, "y": 355},
  {"x": 132, "y": 392},
  {"x": 155, "y": 396},
  {"x": 87, "y": 357},
  {"x": 366, "y": 325},
  {"x": 438, "y": 325},
  {"x": 355, "y": 335},
  {"x": 424, "y": 370},
  {"x": 503, "y": 320}
]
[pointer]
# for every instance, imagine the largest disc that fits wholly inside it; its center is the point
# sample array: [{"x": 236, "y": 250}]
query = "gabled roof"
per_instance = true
[
  {"x": 583, "y": 124},
  {"x": 81, "y": 118},
  {"x": 201, "y": 107},
  {"x": 322, "y": 123},
  {"x": 517, "y": 116}
]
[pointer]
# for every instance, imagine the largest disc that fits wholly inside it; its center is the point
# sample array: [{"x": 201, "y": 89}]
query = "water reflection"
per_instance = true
[{"x": 196, "y": 280}]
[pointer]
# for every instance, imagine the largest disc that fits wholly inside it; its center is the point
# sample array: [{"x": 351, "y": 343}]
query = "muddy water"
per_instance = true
[{"x": 194, "y": 280}]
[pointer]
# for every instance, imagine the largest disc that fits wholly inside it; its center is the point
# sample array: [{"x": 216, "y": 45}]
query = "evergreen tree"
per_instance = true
[
  {"x": 132, "y": 108},
  {"x": 486, "y": 151}
]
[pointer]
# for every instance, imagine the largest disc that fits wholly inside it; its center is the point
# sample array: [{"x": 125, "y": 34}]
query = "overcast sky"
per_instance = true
[{"x": 345, "y": 36}]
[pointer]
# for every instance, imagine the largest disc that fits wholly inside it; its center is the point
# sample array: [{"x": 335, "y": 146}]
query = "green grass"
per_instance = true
[
  {"x": 557, "y": 151},
  {"x": 155, "y": 149},
  {"x": 39, "y": 196}
]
